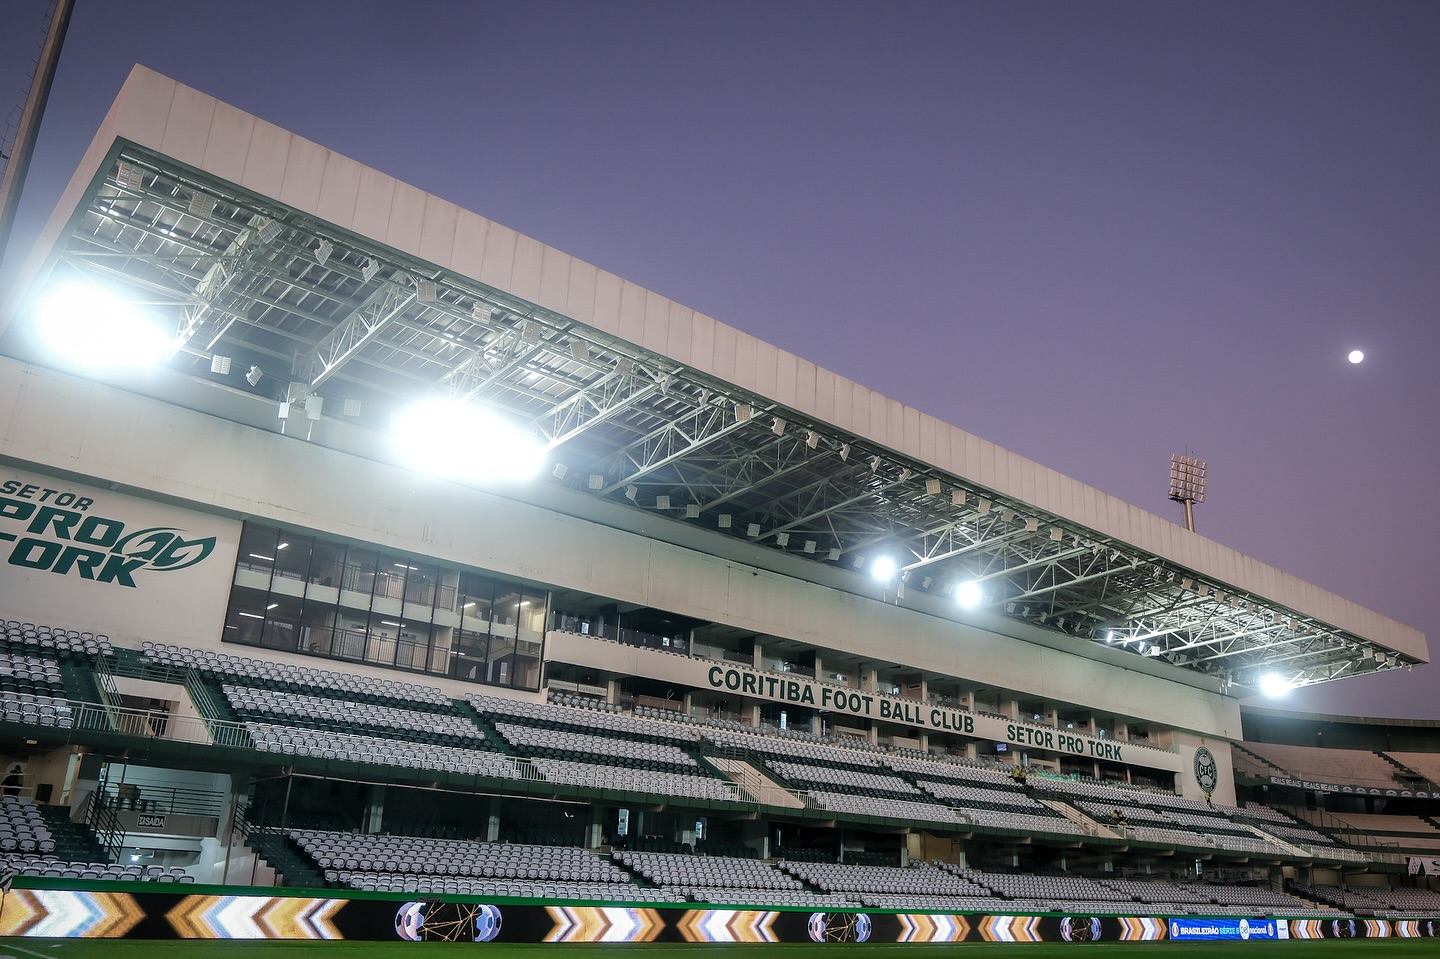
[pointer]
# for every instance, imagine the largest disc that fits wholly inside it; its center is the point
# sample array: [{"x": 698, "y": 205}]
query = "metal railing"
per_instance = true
[
  {"x": 143, "y": 795},
  {"x": 155, "y": 724},
  {"x": 104, "y": 821}
]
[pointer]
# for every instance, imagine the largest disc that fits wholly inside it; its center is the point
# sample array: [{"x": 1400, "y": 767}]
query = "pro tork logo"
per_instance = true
[{"x": 55, "y": 531}]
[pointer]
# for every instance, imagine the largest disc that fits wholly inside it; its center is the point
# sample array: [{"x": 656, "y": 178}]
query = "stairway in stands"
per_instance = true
[
  {"x": 79, "y": 679},
  {"x": 294, "y": 870},
  {"x": 74, "y": 841}
]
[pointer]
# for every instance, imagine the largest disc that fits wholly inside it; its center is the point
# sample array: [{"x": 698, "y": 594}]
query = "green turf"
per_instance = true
[{"x": 182, "y": 949}]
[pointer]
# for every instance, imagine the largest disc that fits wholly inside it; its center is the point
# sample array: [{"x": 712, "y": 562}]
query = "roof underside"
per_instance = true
[{"x": 322, "y": 313}]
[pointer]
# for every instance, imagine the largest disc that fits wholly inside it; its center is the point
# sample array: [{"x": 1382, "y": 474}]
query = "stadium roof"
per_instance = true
[{"x": 323, "y": 279}]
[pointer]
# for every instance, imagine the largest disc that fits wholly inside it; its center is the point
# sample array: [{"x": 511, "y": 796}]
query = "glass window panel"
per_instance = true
[
  {"x": 292, "y": 556},
  {"x": 282, "y": 623},
  {"x": 413, "y": 649},
  {"x": 359, "y": 572},
  {"x": 326, "y": 562},
  {"x": 381, "y": 642},
  {"x": 390, "y": 573},
  {"x": 245, "y": 620},
  {"x": 440, "y": 648},
  {"x": 469, "y": 660},
  {"x": 257, "y": 548}
]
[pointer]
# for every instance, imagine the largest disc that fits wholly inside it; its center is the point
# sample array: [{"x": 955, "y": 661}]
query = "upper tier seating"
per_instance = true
[
  {"x": 1426, "y": 764},
  {"x": 254, "y": 672},
  {"x": 62, "y": 641},
  {"x": 273, "y": 705},
  {"x": 538, "y": 741},
  {"x": 381, "y": 750},
  {"x": 1355, "y": 767}
]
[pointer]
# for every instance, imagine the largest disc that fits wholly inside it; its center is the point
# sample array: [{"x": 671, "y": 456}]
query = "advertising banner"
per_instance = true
[
  {"x": 145, "y": 911},
  {"x": 1227, "y": 928},
  {"x": 86, "y": 557}
]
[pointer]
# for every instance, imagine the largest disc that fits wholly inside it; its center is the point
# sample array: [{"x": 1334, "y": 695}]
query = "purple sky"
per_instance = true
[{"x": 1096, "y": 234}]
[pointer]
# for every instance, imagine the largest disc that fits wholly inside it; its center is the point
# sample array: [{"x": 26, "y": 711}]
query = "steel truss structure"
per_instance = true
[{"x": 322, "y": 313}]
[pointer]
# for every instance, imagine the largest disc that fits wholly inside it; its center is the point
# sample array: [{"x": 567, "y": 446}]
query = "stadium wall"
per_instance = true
[{"x": 210, "y": 472}]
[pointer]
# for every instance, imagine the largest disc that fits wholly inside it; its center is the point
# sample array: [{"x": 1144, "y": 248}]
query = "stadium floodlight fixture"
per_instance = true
[
  {"x": 1275, "y": 686},
  {"x": 969, "y": 594},
  {"x": 458, "y": 440},
  {"x": 254, "y": 375},
  {"x": 884, "y": 568},
  {"x": 1188, "y": 479},
  {"x": 88, "y": 325}
]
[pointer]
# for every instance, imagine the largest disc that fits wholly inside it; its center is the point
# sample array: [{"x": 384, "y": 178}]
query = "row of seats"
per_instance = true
[
  {"x": 804, "y": 776},
  {"x": 379, "y": 750},
  {"x": 841, "y": 877},
  {"x": 581, "y": 718},
  {"x": 256, "y": 672},
  {"x": 253, "y": 702},
  {"x": 468, "y": 886},
  {"x": 22, "y": 828},
  {"x": 530, "y": 739},
  {"x": 711, "y": 872},
  {"x": 72, "y": 642},
  {"x": 424, "y": 856},
  {"x": 35, "y": 709},
  {"x": 50, "y": 868},
  {"x": 652, "y": 781}
]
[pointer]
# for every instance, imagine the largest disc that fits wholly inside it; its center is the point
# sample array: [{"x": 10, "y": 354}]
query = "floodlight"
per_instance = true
[
  {"x": 352, "y": 407},
  {"x": 662, "y": 501},
  {"x": 782, "y": 539},
  {"x": 253, "y": 375},
  {"x": 969, "y": 594},
  {"x": 91, "y": 326},
  {"x": 884, "y": 568},
  {"x": 323, "y": 249},
  {"x": 465, "y": 442},
  {"x": 777, "y": 426},
  {"x": 1274, "y": 685},
  {"x": 201, "y": 205},
  {"x": 219, "y": 364},
  {"x": 368, "y": 271}
]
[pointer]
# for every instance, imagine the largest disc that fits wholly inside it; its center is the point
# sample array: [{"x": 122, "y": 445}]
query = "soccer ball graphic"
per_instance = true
[
  {"x": 410, "y": 921},
  {"x": 817, "y": 926},
  {"x": 487, "y": 923},
  {"x": 862, "y": 928}
]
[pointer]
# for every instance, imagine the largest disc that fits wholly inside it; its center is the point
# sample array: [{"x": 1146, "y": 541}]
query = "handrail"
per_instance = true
[
  {"x": 104, "y": 821},
  {"x": 145, "y": 796}
]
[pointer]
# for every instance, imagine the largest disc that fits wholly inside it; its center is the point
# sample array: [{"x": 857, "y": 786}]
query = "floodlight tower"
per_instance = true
[{"x": 1187, "y": 484}]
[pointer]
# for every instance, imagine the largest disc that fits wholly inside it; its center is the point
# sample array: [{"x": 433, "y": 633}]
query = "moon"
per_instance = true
[{"x": 1356, "y": 356}]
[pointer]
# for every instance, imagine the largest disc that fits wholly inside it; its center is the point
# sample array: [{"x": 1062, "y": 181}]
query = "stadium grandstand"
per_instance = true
[{"x": 280, "y": 609}]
